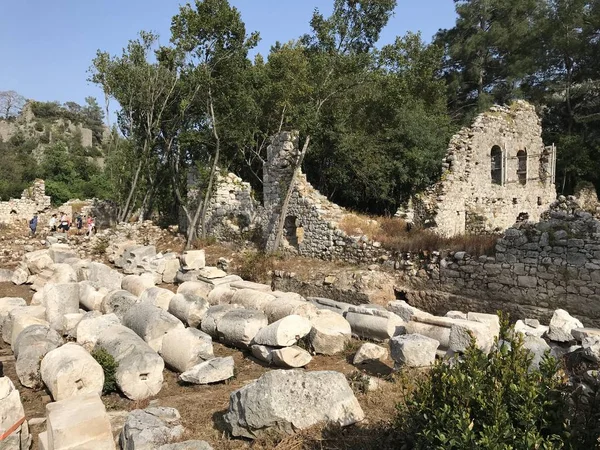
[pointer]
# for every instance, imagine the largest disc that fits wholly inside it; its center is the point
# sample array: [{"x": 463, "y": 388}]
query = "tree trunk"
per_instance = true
[
  {"x": 132, "y": 190},
  {"x": 288, "y": 196},
  {"x": 213, "y": 169}
]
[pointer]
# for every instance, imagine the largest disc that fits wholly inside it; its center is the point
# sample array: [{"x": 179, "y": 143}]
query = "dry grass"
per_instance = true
[{"x": 393, "y": 234}]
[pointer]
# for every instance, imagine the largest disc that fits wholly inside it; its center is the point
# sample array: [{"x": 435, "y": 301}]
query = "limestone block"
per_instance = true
[
  {"x": 290, "y": 357},
  {"x": 374, "y": 324},
  {"x": 151, "y": 323},
  {"x": 150, "y": 428},
  {"x": 20, "y": 275},
  {"x": 220, "y": 295},
  {"x": 136, "y": 284},
  {"x": 211, "y": 371},
  {"x": 187, "y": 445},
  {"x": 31, "y": 346},
  {"x": 70, "y": 322},
  {"x": 37, "y": 261},
  {"x": 252, "y": 299},
  {"x": 493, "y": 320},
  {"x": 7, "y": 304},
  {"x": 538, "y": 347},
  {"x": 291, "y": 400},
  {"x": 102, "y": 276},
  {"x": 462, "y": 330},
  {"x": 92, "y": 326},
  {"x": 140, "y": 371},
  {"x": 440, "y": 332},
  {"x": 591, "y": 348},
  {"x": 262, "y": 353},
  {"x": 369, "y": 352},
  {"x": 37, "y": 299},
  {"x": 89, "y": 297},
  {"x": 21, "y": 322},
  {"x": 527, "y": 330},
  {"x": 61, "y": 299},
  {"x": 189, "y": 308},
  {"x": 405, "y": 311},
  {"x": 78, "y": 422},
  {"x": 413, "y": 350},
  {"x": 193, "y": 259},
  {"x": 60, "y": 252},
  {"x": 561, "y": 326},
  {"x": 283, "y": 333},
  {"x": 182, "y": 348},
  {"x": 118, "y": 303},
  {"x": 70, "y": 371},
  {"x": 211, "y": 273},
  {"x": 11, "y": 412},
  {"x": 326, "y": 303},
  {"x": 284, "y": 306},
  {"x": 169, "y": 274},
  {"x": 251, "y": 285},
  {"x": 456, "y": 315},
  {"x": 330, "y": 332},
  {"x": 33, "y": 312},
  {"x": 157, "y": 296},
  {"x": 198, "y": 288},
  {"x": 239, "y": 326},
  {"x": 143, "y": 252},
  {"x": 581, "y": 333},
  {"x": 213, "y": 315}
]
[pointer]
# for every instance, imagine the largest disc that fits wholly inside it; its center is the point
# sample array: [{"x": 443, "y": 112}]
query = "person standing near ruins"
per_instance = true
[
  {"x": 79, "y": 223},
  {"x": 33, "y": 224},
  {"x": 52, "y": 223}
]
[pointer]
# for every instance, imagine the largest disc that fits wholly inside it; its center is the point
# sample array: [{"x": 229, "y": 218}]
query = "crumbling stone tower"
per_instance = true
[{"x": 496, "y": 172}]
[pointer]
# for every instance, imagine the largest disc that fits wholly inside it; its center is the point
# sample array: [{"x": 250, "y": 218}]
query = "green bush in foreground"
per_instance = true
[
  {"x": 109, "y": 365},
  {"x": 487, "y": 402}
]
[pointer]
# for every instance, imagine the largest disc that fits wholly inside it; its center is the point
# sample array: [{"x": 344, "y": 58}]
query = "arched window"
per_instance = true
[
  {"x": 522, "y": 166},
  {"x": 497, "y": 159}
]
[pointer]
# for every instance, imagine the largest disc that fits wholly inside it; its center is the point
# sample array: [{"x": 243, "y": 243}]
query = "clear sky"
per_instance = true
[{"x": 46, "y": 46}]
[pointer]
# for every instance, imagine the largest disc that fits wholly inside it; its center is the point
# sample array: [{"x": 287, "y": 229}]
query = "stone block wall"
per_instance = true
[
  {"x": 33, "y": 201},
  {"x": 471, "y": 197}
]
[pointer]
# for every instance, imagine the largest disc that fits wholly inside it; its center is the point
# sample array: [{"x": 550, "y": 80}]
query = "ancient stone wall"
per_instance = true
[
  {"x": 33, "y": 201},
  {"x": 536, "y": 268},
  {"x": 495, "y": 172}
]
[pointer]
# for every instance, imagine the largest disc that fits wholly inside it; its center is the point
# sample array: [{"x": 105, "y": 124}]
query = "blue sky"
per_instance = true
[{"x": 46, "y": 46}]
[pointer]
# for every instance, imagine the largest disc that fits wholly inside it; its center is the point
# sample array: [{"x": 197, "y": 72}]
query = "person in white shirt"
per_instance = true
[{"x": 52, "y": 223}]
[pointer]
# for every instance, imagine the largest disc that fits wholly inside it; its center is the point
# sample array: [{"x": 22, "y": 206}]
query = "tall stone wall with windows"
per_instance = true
[{"x": 496, "y": 172}]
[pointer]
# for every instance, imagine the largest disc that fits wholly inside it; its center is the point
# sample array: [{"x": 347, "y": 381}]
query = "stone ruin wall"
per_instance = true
[
  {"x": 467, "y": 199},
  {"x": 33, "y": 200},
  {"x": 536, "y": 269}
]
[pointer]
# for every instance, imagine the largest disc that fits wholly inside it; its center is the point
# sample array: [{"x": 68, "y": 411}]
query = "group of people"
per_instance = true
[{"x": 64, "y": 224}]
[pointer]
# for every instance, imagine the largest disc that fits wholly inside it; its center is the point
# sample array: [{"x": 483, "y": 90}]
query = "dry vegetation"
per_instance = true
[{"x": 394, "y": 234}]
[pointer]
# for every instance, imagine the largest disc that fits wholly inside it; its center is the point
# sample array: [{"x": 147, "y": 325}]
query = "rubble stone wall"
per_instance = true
[
  {"x": 494, "y": 172},
  {"x": 33, "y": 200},
  {"x": 536, "y": 269}
]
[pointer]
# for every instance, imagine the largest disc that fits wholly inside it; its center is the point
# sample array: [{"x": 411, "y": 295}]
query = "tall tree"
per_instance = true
[{"x": 11, "y": 103}]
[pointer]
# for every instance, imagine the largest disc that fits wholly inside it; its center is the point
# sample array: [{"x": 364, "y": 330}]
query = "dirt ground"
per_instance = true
[{"x": 202, "y": 407}]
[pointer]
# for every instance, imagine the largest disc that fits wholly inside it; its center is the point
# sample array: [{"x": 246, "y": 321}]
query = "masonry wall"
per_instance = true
[
  {"x": 33, "y": 201},
  {"x": 467, "y": 199}
]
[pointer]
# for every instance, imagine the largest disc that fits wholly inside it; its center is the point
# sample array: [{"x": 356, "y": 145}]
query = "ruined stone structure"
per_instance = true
[
  {"x": 495, "y": 173},
  {"x": 33, "y": 200}
]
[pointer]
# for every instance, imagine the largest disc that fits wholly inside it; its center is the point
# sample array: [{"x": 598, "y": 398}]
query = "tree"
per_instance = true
[
  {"x": 213, "y": 39},
  {"x": 11, "y": 103}
]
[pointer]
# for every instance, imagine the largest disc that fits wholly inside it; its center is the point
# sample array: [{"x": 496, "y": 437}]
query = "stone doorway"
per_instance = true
[{"x": 293, "y": 231}]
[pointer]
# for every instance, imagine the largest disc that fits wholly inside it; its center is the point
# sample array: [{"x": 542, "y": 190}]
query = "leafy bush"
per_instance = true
[
  {"x": 109, "y": 365},
  {"x": 484, "y": 401},
  {"x": 255, "y": 266}
]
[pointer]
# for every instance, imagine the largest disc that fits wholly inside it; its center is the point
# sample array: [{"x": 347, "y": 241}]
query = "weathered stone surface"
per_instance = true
[
  {"x": 369, "y": 352},
  {"x": 193, "y": 259},
  {"x": 462, "y": 330},
  {"x": 140, "y": 371},
  {"x": 60, "y": 299},
  {"x": 591, "y": 348},
  {"x": 6, "y": 275},
  {"x": 37, "y": 261},
  {"x": 20, "y": 275},
  {"x": 456, "y": 315},
  {"x": 70, "y": 322},
  {"x": 413, "y": 350},
  {"x": 561, "y": 326},
  {"x": 151, "y": 323},
  {"x": 251, "y": 285},
  {"x": 198, "y": 288},
  {"x": 438, "y": 331},
  {"x": 91, "y": 298},
  {"x": 332, "y": 305},
  {"x": 527, "y": 330},
  {"x": 283, "y": 333},
  {"x": 291, "y": 400},
  {"x": 213, "y": 315},
  {"x": 70, "y": 371},
  {"x": 373, "y": 323},
  {"x": 92, "y": 326},
  {"x": 11, "y": 411},
  {"x": 252, "y": 299},
  {"x": 538, "y": 347},
  {"x": 262, "y": 353},
  {"x": 220, "y": 295},
  {"x": 102, "y": 276},
  {"x": 59, "y": 253},
  {"x": 581, "y": 333},
  {"x": 78, "y": 423},
  {"x": 239, "y": 326},
  {"x": 286, "y": 306},
  {"x": 290, "y": 357},
  {"x": 118, "y": 303},
  {"x": 330, "y": 332},
  {"x": 211, "y": 371},
  {"x": 136, "y": 284},
  {"x": 31, "y": 346},
  {"x": 187, "y": 445},
  {"x": 183, "y": 348},
  {"x": 405, "y": 311},
  {"x": 493, "y": 320},
  {"x": 150, "y": 428},
  {"x": 38, "y": 313},
  {"x": 7, "y": 304},
  {"x": 157, "y": 296},
  {"x": 189, "y": 308}
]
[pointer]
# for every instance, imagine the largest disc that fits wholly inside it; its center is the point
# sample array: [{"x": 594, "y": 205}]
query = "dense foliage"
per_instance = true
[{"x": 109, "y": 366}]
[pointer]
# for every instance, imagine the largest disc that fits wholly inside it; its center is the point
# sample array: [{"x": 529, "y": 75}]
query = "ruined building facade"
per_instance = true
[{"x": 496, "y": 173}]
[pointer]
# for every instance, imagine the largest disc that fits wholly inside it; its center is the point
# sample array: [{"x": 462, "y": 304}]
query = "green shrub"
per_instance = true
[
  {"x": 484, "y": 401},
  {"x": 109, "y": 365}
]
